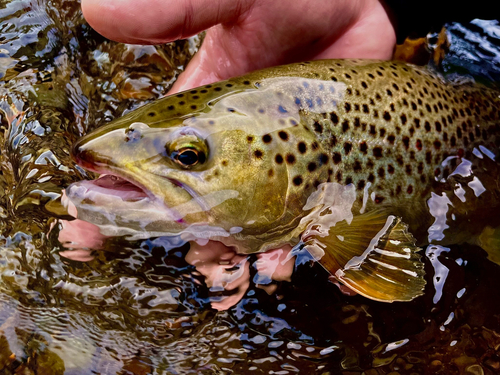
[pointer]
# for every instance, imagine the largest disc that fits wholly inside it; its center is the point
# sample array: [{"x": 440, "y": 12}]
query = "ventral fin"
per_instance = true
[{"x": 374, "y": 255}]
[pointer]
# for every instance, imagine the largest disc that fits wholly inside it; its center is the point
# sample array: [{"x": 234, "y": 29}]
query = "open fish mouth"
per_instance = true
[{"x": 109, "y": 184}]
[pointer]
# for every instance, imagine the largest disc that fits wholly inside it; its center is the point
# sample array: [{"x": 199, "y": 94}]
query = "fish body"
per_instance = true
[{"x": 343, "y": 157}]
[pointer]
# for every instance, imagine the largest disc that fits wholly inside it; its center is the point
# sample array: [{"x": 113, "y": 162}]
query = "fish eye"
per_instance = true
[
  {"x": 189, "y": 157},
  {"x": 187, "y": 149}
]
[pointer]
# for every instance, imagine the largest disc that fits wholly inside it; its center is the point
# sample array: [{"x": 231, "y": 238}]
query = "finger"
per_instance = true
[{"x": 159, "y": 21}]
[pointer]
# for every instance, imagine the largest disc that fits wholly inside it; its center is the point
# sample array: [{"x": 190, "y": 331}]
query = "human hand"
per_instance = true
[{"x": 246, "y": 35}]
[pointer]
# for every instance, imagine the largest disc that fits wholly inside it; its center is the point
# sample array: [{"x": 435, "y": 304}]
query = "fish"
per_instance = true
[{"x": 359, "y": 162}]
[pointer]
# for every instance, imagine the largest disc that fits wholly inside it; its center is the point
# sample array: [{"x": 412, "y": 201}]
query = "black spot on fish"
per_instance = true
[
  {"x": 270, "y": 172},
  {"x": 371, "y": 177},
  {"x": 311, "y": 167},
  {"x": 266, "y": 138},
  {"x": 365, "y": 108},
  {"x": 182, "y": 102},
  {"x": 403, "y": 119},
  {"x": 302, "y": 147},
  {"x": 347, "y": 76},
  {"x": 387, "y": 116},
  {"x": 318, "y": 128},
  {"x": 290, "y": 159},
  {"x": 409, "y": 189},
  {"x": 194, "y": 106},
  {"x": 334, "y": 118},
  {"x": 427, "y": 126},
  {"x": 314, "y": 145},
  {"x": 345, "y": 125},
  {"x": 381, "y": 172},
  {"x": 246, "y": 82},
  {"x": 337, "y": 157},
  {"x": 152, "y": 114},
  {"x": 250, "y": 139},
  {"x": 453, "y": 141},
  {"x": 283, "y": 135},
  {"x": 382, "y": 132},
  {"x": 348, "y": 180},
  {"x": 357, "y": 166},
  {"x": 389, "y": 92},
  {"x": 333, "y": 141},
  {"x": 170, "y": 107},
  {"x": 377, "y": 152},
  {"x": 363, "y": 83},
  {"x": 390, "y": 169},
  {"x": 258, "y": 154},
  {"x": 408, "y": 169},
  {"x": 437, "y": 144},
  {"x": 297, "y": 180},
  {"x": 428, "y": 157},
  {"x": 363, "y": 147},
  {"x": 203, "y": 91},
  {"x": 357, "y": 123},
  {"x": 347, "y": 148},
  {"x": 361, "y": 184},
  {"x": 391, "y": 138},
  {"x": 229, "y": 85},
  {"x": 418, "y": 145},
  {"x": 396, "y": 87},
  {"x": 224, "y": 162},
  {"x": 278, "y": 158},
  {"x": 406, "y": 142},
  {"x": 323, "y": 159},
  {"x": 347, "y": 107},
  {"x": 379, "y": 199}
]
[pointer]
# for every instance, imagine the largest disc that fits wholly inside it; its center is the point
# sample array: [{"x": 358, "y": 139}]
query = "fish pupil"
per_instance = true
[{"x": 188, "y": 157}]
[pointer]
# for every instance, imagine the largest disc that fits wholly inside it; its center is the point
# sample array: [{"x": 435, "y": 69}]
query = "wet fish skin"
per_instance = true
[
  {"x": 392, "y": 132},
  {"x": 392, "y": 128}
]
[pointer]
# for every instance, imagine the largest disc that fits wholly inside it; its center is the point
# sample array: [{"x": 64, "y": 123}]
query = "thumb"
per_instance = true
[{"x": 159, "y": 21}]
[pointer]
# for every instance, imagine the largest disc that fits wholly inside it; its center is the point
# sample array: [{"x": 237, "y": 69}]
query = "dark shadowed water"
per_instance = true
[{"x": 139, "y": 307}]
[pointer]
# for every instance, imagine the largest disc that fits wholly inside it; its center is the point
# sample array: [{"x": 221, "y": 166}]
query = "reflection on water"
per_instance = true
[{"x": 144, "y": 306}]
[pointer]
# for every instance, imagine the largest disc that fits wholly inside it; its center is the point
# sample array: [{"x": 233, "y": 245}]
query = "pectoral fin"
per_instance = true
[
  {"x": 374, "y": 255},
  {"x": 489, "y": 240}
]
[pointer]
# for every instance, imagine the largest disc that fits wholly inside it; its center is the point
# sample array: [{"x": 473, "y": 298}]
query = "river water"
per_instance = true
[{"x": 139, "y": 307}]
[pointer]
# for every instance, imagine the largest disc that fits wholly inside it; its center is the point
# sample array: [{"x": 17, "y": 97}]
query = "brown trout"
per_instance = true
[{"x": 359, "y": 162}]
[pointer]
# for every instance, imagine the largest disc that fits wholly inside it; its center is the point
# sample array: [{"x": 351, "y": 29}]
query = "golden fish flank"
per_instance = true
[{"x": 344, "y": 158}]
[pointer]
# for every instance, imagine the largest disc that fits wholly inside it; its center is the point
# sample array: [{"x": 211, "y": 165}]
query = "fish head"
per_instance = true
[{"x": 243, "y": 165}]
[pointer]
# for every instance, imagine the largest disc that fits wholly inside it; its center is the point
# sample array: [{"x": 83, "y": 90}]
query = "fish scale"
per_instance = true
[{"x": 349, "y": 159}]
